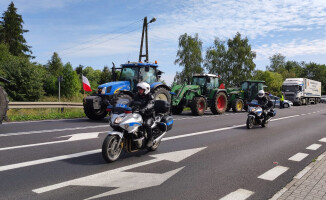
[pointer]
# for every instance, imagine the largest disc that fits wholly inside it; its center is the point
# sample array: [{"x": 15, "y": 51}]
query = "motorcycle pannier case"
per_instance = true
[
  {"x": 169, "y": 121},
  {"x": 161, "y": 106}
]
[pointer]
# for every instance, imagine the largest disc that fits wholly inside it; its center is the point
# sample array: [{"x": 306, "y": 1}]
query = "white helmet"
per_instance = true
[
  {"x": 261, "y": 93},
  {"x": 145, "y": 86}
]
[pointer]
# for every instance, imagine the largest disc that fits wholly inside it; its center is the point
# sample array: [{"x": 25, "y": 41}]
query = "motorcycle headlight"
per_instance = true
[{"x": 118, "y": 120}]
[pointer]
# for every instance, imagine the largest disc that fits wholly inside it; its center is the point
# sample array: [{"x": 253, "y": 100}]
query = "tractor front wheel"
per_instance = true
[
  {"x": 162, "y": 94},
  {"x": 219, "y": 103},
  {"x": 91, "y": 113},
  {"x": 198, "y": 106},
  {"x": 237, "y": 105}
]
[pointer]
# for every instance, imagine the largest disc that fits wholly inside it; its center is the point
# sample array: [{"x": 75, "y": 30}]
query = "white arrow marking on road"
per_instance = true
[
  {"x": 129, "y": 181},
  {"x": 82, "y": 136},
  {"x": 74, "y": 137},
  {"x": 117, "y": 178}
]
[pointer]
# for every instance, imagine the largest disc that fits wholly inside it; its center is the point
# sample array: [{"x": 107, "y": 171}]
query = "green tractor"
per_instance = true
[
  {"x": 203, "y": 92},
  {"x": 238, "y": 97},
  {"x": 4, "y": 101}
]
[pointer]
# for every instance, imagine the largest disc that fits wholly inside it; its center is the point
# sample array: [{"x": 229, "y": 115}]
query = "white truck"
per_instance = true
[{"x": 301, "y": 91}]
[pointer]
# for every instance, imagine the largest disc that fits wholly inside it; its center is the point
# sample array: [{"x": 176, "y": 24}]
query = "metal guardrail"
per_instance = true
[{"x": 45, "y": 105}]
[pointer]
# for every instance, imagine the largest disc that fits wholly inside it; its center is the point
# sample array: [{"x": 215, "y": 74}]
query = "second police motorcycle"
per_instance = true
[{"x": 128, "y": 133}]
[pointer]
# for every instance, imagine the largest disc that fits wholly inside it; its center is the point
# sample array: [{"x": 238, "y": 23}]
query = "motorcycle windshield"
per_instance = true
[{"x": 121, "y": 106}]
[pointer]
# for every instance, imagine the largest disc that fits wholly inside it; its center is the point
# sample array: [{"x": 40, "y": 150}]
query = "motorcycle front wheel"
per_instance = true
[
  {"x": 154, "y": 147},
  {"x": 250, "y": 122},
  {"x": 111, "y": 148}
]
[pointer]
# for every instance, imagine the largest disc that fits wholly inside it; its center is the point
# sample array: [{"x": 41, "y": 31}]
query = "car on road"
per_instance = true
[
  {"x": 286, "y": 103},
  {"x": 323, "y": 99}
]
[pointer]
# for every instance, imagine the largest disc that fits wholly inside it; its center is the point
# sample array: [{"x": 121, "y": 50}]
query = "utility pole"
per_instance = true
[
  {"x": 60, "y": 78},
  {"x": 145, "y": 25}
]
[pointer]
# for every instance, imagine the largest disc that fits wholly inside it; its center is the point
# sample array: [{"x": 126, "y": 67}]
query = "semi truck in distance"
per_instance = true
[{"x": 301, "y": 91}]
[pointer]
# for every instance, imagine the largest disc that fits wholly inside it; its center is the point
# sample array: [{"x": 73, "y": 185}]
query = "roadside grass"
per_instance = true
[
  {"x": 23, "y": 114},
  {"x": 44, "y": 113}
]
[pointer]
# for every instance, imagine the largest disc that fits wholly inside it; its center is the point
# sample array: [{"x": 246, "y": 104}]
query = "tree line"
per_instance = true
[
  {"x": 233, "y": 61},
  {"x": 30, "y": 81}
]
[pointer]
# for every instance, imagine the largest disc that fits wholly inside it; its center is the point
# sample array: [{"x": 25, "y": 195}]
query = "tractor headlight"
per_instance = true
[
  {"x": 103, "y": 90},
  {"x": 118, "y": 120}
]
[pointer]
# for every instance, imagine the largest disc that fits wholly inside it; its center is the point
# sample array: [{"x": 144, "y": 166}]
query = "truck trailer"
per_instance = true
[{"x": 301, "y": 91}]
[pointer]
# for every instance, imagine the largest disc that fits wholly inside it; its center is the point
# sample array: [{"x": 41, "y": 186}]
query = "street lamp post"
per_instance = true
[
  {"x": 145, "y": 25},
  {"x": 60, "y": 79}
]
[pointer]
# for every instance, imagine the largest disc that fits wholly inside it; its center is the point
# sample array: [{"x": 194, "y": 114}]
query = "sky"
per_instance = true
[{"x": 98, "y": 32}]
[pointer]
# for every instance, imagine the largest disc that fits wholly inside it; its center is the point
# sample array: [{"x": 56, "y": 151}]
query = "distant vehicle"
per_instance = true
[
  {"x": 286, "y": 103},
  {"x": 301, "y": 91},
  {"x": 323, "y": 99}
]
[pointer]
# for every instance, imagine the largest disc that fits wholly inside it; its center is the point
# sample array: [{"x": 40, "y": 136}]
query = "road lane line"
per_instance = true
[
  {"x": 201, "y": 132},
  {"x": 314, "y": 147},
  {"x": 273, "y": 173},
  {"x": 298, "y": 157},
  {"x": 74, "y": 137},
  {"x": 52, "y": 130},
  {"x": 35, "y": 162},
  {"x": 240, "y": 194},
  {"x": 302, "y": 172},
  {"x": 47, "y": 160},
  {"x": 322, "y": 140}
]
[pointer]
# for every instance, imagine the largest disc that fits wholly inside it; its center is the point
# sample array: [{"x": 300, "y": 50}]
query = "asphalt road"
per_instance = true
[{"x": 208, "y": 157}]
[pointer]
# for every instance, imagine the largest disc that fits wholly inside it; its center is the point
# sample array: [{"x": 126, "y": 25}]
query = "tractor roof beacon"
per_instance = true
[{"x": 124, "y": 83}]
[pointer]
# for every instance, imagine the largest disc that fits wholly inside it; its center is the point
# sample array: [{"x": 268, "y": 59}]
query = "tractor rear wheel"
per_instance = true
[
  {"x": 219, "y": 103},
  {"x": 3, "y": 104},
  {"x": 198, "y": 106},
  {"x": 162, "y": 94},
  {"x": 177, "y": 110},
  {"x": 237, "y": 105}
]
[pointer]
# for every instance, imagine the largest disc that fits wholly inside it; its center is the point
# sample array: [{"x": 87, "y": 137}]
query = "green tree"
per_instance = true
[
  {"x": 233, "y": 63},
  {"x": 106, "y": 75},
  {"x": 316, "y": 72},
  {"x": 277, "y": 63},
  {"x": 11, "y": 32},
  {"x": 189, "y": 55},
  {"x": 54, "y": 69},
  {"x": 71, "y": 84},
  {"x": 25, "y": 78}
]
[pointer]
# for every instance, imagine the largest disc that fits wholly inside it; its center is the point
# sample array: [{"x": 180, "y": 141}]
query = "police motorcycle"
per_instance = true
[
  {"x": 255, "y": 115},
  {"x": 128, "y": 133}
]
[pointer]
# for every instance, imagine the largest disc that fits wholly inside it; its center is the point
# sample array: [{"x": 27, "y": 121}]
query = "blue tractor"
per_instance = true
[{"x": 124, "y": 86}]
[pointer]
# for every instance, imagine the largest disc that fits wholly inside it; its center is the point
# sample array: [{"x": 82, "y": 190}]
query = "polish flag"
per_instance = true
[{"x": 86, "y": 85}]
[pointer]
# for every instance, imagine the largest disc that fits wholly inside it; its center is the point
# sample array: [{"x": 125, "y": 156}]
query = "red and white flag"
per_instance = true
[{"x": 86, "y": 85}]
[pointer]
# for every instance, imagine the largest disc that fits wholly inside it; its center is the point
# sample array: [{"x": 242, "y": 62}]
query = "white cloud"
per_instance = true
[{"x": 293, "y": 48}]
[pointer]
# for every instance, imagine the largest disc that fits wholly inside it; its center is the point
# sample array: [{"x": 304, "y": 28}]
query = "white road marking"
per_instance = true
[
  {"x": 302, "y": 173},
  {"x": 74, "y": 137},
  {"x": 36, "y": 162},
  {"x": 240, "y": 194},
  {"x": 273, "y": 173},
  {"x": 322, "y": 140},
  {"x": 298, "y": 157},
  {"x": 314, "y": 147},
  {"x": 52, "y": 130},
  {"x": 126, "y": 181},
  {"x": 47, "y": 160},
  {"x": 201, "y": 132}
]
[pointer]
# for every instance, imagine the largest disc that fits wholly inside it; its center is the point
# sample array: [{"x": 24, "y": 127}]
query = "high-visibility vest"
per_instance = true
[{"x": 282, "y": 98}]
